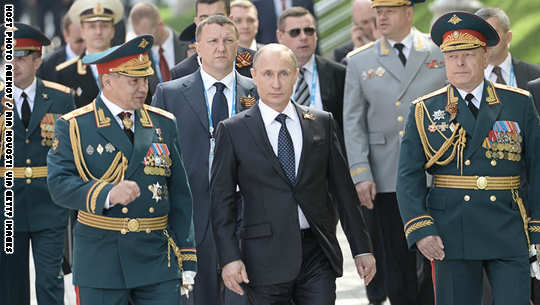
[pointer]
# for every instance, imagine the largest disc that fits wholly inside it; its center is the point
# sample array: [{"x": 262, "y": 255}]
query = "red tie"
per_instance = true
[{"x": 163, "y": 66}]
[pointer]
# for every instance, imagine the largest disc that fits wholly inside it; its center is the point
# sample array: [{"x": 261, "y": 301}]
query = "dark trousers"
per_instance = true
[
  {"x": 403, "y": 286},
  {"x": 459, "y": 282},
  {"x": 314, "y": 285},
  {"x": 164, "y": 293},
  {"x": 375, "y": 291},
  {"x": 47, "y": 250}
]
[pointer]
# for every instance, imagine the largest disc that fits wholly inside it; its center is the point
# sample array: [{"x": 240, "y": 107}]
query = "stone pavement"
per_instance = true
[{"x": 350, "y": 289}]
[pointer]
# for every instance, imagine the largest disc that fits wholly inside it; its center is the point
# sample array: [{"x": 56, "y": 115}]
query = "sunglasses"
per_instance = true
[{"x": 309, "y": 31}]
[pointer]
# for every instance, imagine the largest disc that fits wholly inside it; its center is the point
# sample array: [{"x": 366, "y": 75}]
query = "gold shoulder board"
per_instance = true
[
  {"x": 79, "y": 111},
  {"x": 513, "y": 89},
  {"x": 56, "y": 86},
  {"x": 66, "y": 63},
  {"x": 431, "y": 94},
  {"x": 159, "y": 111},
  {"x": 360, "y": 49}
]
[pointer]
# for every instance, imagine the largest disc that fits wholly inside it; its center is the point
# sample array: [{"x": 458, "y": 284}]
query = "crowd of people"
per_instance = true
[{"x": 212, "y": 166}]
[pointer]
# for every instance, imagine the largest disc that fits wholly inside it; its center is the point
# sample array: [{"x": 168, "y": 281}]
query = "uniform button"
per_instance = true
[
  {"x": 27, "y": 141},
  {"x": 398, "y": 103},
  {"x": 493, "y": 162},
  {"x": 492, "y": 198},
  {"x": 400, "y": 118},
  {"x": 468, "y": 162},
  {"x": 28, "y": 161},
  {"x": 148, "y": 231},
  {"x": 123, "y": 231},
  {"x": 151, "y": 210},
  {"x": 124, "y": 210},
  {"x": 401, "y": 133},
  {"x": 26, "y": 129},
  {"x": 28, "y": 181},
  {"x": 466, "y": 197}
]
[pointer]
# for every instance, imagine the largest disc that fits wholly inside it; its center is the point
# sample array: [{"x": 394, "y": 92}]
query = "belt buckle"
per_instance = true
[
  {"x": 481, "y": 183},
  {"x": 28, "y": 172},
  {"x": 133, "y": 225}
]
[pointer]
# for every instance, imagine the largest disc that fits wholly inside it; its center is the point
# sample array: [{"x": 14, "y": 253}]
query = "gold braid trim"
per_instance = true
[
  {"x": 176, "y": 250},
  {"x": 417, "y": 226},
  {"x": 523, "y": 212},
  {"x": 457, "y": 140}
]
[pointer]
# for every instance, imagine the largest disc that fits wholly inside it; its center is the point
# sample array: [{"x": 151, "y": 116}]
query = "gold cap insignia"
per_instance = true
[
  {"x": 454, "y": 20},
  {"x": 143, "y": 44},
  {"x": 98, "y": 10}
]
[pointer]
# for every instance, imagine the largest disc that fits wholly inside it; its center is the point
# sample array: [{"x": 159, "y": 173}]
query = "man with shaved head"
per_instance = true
[{"x": 287, "y": 161}]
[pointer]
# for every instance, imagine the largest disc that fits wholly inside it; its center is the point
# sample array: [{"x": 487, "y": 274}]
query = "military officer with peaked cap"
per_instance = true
[
  {"x": 117, "y": 161},
  {"x": 37, "y": 220},
  {"x": 473, "y": 136},
  {"x": 97, "y": 19},
  {"x": 382, "y": 79}
]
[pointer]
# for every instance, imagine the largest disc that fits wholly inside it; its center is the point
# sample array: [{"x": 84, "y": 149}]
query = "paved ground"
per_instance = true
[{"x": 350, "y": 289}]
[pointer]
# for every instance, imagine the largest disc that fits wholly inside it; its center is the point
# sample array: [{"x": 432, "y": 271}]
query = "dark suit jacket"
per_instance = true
[
  {"x": 341, "y": 52},
  {"x": 534, "y": 87},
  {"x": 47, "y": 70},
  {"x": 80, "y": 78},
  {"x": 184, "y": 98},
  {"x": 332, "y": 85},
  {"x": 190, "y": 65},
  {"x": 270, "y": 234},
  {"x": 524, "y": 72},
  {"x": 268, "y": 19}
]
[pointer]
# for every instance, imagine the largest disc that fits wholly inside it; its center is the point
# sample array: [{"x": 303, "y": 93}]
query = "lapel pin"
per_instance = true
[
  {"x": 45, "y": 96},
  {"x": 309, "y": 116},
  {"x": 247, "y": 101}
]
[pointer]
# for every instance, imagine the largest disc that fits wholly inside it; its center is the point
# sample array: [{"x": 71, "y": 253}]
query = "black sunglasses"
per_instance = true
[{"x": 309, "y": 31}]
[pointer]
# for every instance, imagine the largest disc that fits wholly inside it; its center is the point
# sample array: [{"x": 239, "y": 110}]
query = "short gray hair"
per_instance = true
[
  {"x": 216, "y": 19},
  {"x": 495, "y": 12}
]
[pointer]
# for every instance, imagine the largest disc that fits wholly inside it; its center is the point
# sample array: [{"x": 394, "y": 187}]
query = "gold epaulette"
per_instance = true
[
  {"x": 513, "y": 89},
  {"x": 1, "y": 86},
  {"x": 431, "y": 94},
  {"x": 160, "y": 111},
  {"x": 79, "y": 111},
  {"x": 360, "y": 49},
  {"x": 56, "y": 86},
  {"x": 66, "y": 63}
]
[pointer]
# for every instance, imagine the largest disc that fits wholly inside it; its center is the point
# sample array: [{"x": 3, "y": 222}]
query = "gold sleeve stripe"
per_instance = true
[
  {"x": 417, "y": 218},
  {"x": 95, "y": 195},
  {"x": 417, "y": 226},
  {"x": 90, "y": 190},
  {"x": 56, "y": 86},
  {"x": 159, "y": 111},
  {"x": 357, "y": 171},
  {"x": 189, "y": 257}
]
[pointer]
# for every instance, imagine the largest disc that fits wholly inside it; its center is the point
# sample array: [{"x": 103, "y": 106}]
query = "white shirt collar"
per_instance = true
[
  {"x": 253, "y": 45},
  {"x": 209, "y": 80},
  {"x": 477, "y": 93},
  {"x": 30, "y": 91},
  {"x": 407, "y": 41},
  {"x": 309, "y": 64},
  {"x": 269, "y": 115},
  {"x": 115, "y": 109},
  {"x": 69, "y": 52},
  {"x": 506, "y": 67}
]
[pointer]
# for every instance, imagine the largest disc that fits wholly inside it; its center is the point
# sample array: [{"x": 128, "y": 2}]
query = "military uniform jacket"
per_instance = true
[
  {"x": 91, "y": 153},
  {"x": 475, "y": 223},
  {"x": 34, "y": 208},
  {"x": 378, "y": 91},
  {"x": 79, "y": 77}
]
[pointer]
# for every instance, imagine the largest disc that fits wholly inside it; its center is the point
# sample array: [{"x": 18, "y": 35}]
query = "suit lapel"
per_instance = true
[
  {"x": 307, "y": 136},
  {"x": 112, "y": 130},
  {"x": 416, "y": 59},
  {"x": 390, "y": 60},
  {"x": 490, "y": 107},
  {"x": 142, "y": 139},
  {"x": 41, "y": 105},
  {"x": 520, "y": 73},
  {"x": 325, "y": 78},
  {"x": 194, "y": 95},
  {"x": 255, "y": 125}
]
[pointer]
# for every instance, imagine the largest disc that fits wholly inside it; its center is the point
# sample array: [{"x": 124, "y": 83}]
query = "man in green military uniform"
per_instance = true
[
  {"x": 117, "y": 162},
  {"x": 38, "y": 104},
  {"x": 473, "y": 136}
]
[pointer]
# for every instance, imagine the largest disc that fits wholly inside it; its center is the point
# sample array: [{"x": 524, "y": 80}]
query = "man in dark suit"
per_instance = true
[
  {"x": 287, "y": 161},
  {"x": 97, "y": 19},
  {"x": 167, "y": 51},
  {"x": 270, "y": 12},
  {"x": 503, "y": 67},
  {"x": 74, "y": 47},
  {"x": 199, "y": 101},
  {"x": 37, "y": 221},
  {"x": 203, "y": 10},
  {"x": 534, "y": 88}
]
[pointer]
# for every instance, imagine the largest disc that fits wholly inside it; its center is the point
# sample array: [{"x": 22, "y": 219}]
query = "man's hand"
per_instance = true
[
  {"x": 124, "y": 193},
  {"x": 365, "y": 265},
  {"x": 233, "y": 274},
  {"x": 366, "y": 191},
  {"x": 431, "y": 247}
]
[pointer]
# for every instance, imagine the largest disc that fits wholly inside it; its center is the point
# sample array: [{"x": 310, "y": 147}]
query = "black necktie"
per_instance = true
[
  {"x": 25, "y": 110},
  {"x": 286, "y": 149},
  {"x": 469, "y": 97},
  {"x": 128, "y": 123},
  {"x": 301, "y": 94},
  {"x": 220, "y": 109},
  {"x": 399, "y": 46},
  {"x": 498, "y": 72}
]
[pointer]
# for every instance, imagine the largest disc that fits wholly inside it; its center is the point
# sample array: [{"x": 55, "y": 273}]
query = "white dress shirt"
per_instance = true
[
  {"x": 506, "y": 69},
  {"x": 477, "y": 93},
  {"x": 168, "y": 50},
  {"x": 407, "y": 42},
  {"x": 295, "y": 130},
  {"x": 208, "y": 85},
  {"x": 308, "y": 76},
  {"x": 30, "y": 96}
]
